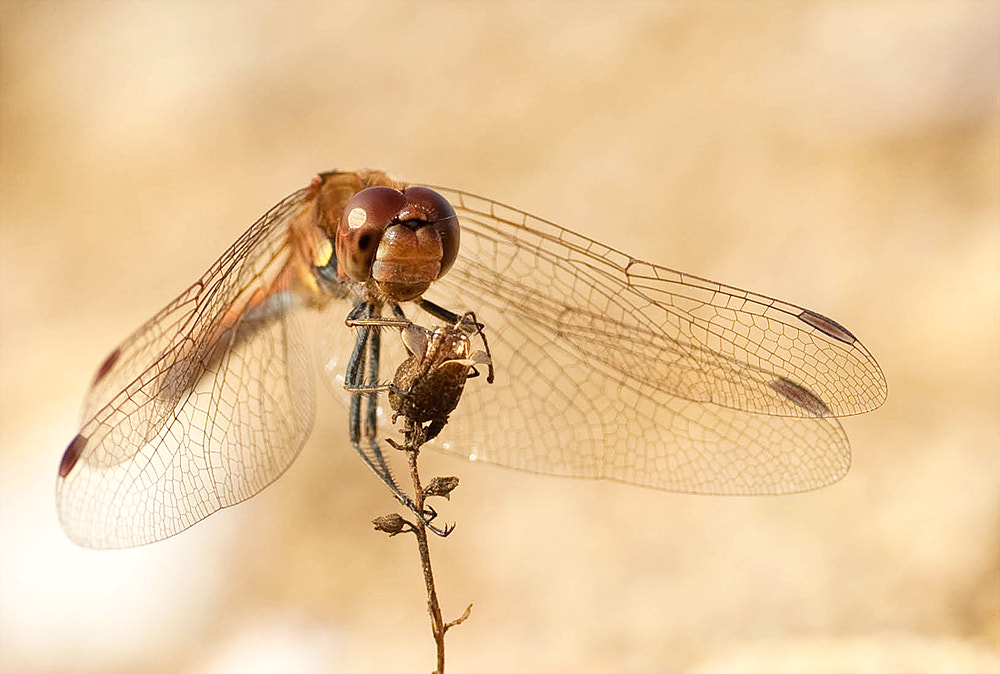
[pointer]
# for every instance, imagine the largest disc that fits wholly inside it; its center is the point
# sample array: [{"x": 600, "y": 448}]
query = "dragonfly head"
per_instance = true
[{"x": 400, "y": 240}]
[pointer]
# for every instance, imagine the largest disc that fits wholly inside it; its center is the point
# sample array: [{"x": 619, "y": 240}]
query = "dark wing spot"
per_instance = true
[
  {"x": 827, "y": 326},
  {"x": 106, "y": 366},
  {"x": 801, "y": 396},
  {"x": 72, "y": 455}
]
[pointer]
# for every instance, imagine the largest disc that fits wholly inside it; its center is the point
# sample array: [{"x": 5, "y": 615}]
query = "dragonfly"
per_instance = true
[{"x": 604, "y": 366}]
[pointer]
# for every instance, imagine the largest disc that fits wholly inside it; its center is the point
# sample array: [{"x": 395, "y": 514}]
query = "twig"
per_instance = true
[
  {"x": 415, "y": 436},
  {"x": 425, "y": 390},
  {"x": 438, "y": 626}
]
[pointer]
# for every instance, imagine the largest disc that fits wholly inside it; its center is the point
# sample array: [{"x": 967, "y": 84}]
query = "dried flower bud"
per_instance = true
[
  {"x": 428, "y": 385},
  {"x": 441, "y": 486},
  {"x": 391, "y": 524}
]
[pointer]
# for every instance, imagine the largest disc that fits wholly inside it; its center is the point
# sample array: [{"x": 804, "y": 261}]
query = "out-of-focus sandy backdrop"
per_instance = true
[{"x": 843, "y": 156}]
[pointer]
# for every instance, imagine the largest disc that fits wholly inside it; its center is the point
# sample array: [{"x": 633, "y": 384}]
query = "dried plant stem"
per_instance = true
[
  {"x": 415, "y": 437},
  {"x": 420, "y": 531}
]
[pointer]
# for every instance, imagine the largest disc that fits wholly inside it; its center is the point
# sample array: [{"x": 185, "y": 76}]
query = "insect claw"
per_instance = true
[{"x": 443, "y": 533}]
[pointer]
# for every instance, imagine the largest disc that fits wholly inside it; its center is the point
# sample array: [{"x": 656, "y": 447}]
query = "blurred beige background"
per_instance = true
[{"x": 842, "y": 156}]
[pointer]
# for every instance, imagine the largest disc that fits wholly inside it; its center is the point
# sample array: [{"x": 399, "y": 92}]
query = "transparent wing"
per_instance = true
[
  {"x": 610, "y": 367},
  {"x": 202, "y": 407}
]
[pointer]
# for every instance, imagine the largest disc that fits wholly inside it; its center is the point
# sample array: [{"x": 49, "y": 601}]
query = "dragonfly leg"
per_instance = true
[
  {"x": 437, "y": 311},
  {"x": 371, "y": 398},
  {"x": 352, "y": 382},
  {"x": 365, "y": 320},
  {"x": 359, "y": 318}
]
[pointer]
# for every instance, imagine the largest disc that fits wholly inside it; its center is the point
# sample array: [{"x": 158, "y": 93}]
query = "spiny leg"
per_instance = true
[
  {"x": 352, "y": 381},
  {"x": 371, "y": 398},
  {"x": 437, "y": 311}
]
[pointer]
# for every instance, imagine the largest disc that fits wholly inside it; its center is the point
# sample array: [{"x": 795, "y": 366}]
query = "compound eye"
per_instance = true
[
  {"x": 365, "y": 218},
  {"x": 423, "y": 203}
]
